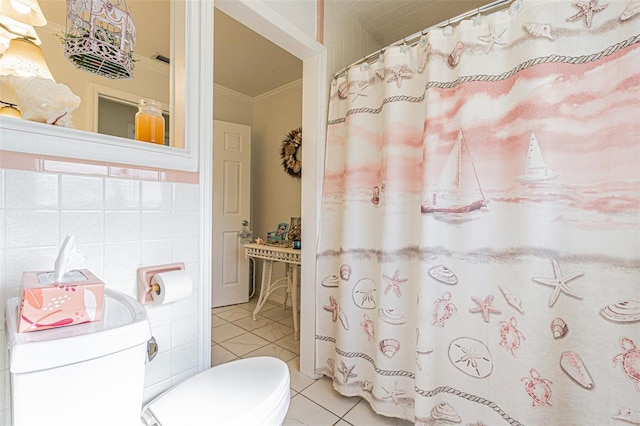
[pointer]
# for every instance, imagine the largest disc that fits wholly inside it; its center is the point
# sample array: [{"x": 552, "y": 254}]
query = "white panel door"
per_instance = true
[{"x": 231, "y": 205}]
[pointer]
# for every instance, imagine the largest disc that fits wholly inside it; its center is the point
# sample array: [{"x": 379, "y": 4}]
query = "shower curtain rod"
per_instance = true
[{"x": 419, "y": 34}]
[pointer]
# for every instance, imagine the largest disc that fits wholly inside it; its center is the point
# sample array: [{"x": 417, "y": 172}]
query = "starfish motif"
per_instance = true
[
  {"x": 333, "y": 308},
  {"x": 559, "y": 282},
  {"x": 485, "y": 307},
  {"x": 367, "y": 386},
  {"x": 492, "y": 38},
  {"x": 394, "y": 393},
  {"x": 393, "y": 283},
  {"x": 347, "y": 372},
  {"x": 359, "y": 91},
  {"x": 398, "y": 74},
  {"x": 587, "y": 9}
]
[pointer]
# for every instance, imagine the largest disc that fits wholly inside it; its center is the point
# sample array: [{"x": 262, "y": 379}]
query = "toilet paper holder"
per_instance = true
[{"x": 145, "y": 277}]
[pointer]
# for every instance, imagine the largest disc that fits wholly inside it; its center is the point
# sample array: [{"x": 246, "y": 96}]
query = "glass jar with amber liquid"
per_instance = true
[{"x": 150, "y": 122}]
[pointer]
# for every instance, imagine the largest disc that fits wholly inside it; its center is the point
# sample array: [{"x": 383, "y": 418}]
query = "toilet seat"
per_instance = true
[{"x": 245, "y": 392}]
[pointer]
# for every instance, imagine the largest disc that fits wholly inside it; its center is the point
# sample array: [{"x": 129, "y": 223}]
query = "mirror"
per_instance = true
[
  {"x": 190, "y": 99},
  {"x": 151, "y": 76}
]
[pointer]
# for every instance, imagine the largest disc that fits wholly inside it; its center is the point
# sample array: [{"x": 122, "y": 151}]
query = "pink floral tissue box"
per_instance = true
[{"x": 47, "y": 304}]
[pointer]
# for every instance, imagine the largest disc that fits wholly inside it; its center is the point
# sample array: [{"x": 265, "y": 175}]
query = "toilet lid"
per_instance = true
[{"x": 238, "y": 392}]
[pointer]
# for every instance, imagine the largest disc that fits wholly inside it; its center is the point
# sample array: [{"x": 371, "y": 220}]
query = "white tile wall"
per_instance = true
[
  {"x": 120, "y": 225},
  {"x": 345, "y": 39}
]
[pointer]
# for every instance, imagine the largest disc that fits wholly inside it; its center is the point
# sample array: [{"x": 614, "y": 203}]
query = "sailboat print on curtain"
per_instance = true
[
  {"x": 451, "y": 197},
  {"x": 457, "y": 327},
  {"x": 536, "y": 169}
]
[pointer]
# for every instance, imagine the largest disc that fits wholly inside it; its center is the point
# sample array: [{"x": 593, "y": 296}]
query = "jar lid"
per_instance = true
[{"x": 149, "y": 102}]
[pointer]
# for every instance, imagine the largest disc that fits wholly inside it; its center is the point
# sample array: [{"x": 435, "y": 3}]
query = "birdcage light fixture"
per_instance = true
[{"x": 100, "y": 37}]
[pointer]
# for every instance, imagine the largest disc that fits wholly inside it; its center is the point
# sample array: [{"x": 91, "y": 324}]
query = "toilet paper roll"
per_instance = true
[{"x": 174, "y": 286}]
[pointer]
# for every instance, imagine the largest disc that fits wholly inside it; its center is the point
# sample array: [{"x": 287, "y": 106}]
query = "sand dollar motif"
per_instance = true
[
  {"x": 471, "y": 356},
  {"x": 364, "y": 294}
]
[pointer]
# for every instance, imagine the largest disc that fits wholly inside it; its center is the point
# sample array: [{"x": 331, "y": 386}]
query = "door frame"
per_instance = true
[{"x": 271, "y": 25}]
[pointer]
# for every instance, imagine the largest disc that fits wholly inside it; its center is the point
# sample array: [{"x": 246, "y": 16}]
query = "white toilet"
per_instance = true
[{"x": 93, "y": 374}]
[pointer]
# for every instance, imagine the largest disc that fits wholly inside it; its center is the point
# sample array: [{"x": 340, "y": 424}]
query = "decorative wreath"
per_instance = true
[{"x": 291, "y": 153}]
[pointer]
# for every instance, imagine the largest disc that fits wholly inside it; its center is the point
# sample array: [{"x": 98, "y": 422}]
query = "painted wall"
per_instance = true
[
  {"x": 121, "y": 224},
  {"x": 275, "y": 194}
]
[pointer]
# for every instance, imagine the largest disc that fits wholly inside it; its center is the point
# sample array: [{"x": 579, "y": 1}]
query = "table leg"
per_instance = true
[
  {"x": 267, "y": 266},
  {"x": 294, "y": 301}
]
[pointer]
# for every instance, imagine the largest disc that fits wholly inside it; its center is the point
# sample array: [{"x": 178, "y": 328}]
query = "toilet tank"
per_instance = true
[{"x": 87, "y": 375}]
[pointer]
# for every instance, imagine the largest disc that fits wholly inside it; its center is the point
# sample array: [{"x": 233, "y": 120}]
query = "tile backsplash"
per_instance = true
[{"x": 120, "y": 225}]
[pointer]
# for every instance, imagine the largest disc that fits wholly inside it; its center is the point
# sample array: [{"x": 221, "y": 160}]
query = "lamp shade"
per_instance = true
[
  {"x": 10, "y": 29},
  {"x": 23, "y": 58},
  {"x": 25, "y": 11}
]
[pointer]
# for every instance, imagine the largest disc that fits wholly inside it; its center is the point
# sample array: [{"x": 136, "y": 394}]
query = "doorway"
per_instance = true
[{"x": 263, "y": 20}]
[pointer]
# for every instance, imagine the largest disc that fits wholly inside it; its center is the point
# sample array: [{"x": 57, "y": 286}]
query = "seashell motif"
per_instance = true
[
  {"x": 632, "y": 9},
  {"x": 444, "y": 411},
  {"x": 343, "y": 319},
  {"x": 628, "y": 415},
  {"x": 389, "y": 347},
  {"x": 381, "y": 73},
  {"x": 343, "y": 90},
  {"x": 454, "y": 57},
  {"x": 626, "y": 311},
  {"x": 511, "y": 299},
  {"x": 471, "y": 356},
  {"x": 536, "y": 29},
  {"x": 572, "y": 364},
  {"x": 423, "y": 58},
  {"x": 559, "y": 328},
  {"x": 41, "y": 99},
  {"x": 345, "y": 272},
  {"x": 443, "y": 274},
  {"x": 391, "y": 316},
  {"x": 364, "y": 294},
  {"x": 330, "y": 281}
]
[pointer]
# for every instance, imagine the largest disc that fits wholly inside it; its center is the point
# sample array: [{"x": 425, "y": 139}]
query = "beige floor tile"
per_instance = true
[
  {"x": 216, "y": 311},
  {"x": 225, "y": 332},
  {"x": 216, "y": 321},
  {"x": 343, "y": 423},
  {"x": 249, "y": 324},
  {"x": 220, "y": 355},
  {"x": 299, "y": 381},
  {"x": 289, "y": 343},
  {"x": 244, "y": 344},
  {"x": 272, "y": 350},
  {"x": 363, "y": 415},
  {"x": 274, "y": 331},
  {"x": 288, "y": 321},
  {"x": 234, "y": 314},
  {"x": 303, "y": 412},
  {"x": 322, "y": 393},
  {"x": 276, "y": 313}
]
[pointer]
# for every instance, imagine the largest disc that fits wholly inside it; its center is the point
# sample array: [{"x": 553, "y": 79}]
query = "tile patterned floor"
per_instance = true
[{"x": 235, "y": 335}]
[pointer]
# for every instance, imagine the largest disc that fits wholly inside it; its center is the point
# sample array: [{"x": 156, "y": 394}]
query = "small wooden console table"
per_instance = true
[{"x": 270, "y": 254}]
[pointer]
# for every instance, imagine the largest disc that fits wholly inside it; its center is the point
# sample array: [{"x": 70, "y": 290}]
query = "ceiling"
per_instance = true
[
  {"x": 390, "y": 21},
  {"x": 250, "y": 64}
]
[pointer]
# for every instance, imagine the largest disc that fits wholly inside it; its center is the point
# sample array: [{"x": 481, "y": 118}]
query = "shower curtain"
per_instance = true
[{"x": 479, "y": 250}]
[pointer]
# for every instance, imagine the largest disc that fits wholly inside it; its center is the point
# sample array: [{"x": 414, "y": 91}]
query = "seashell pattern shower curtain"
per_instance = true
[{"x": 479, "y": 251}]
